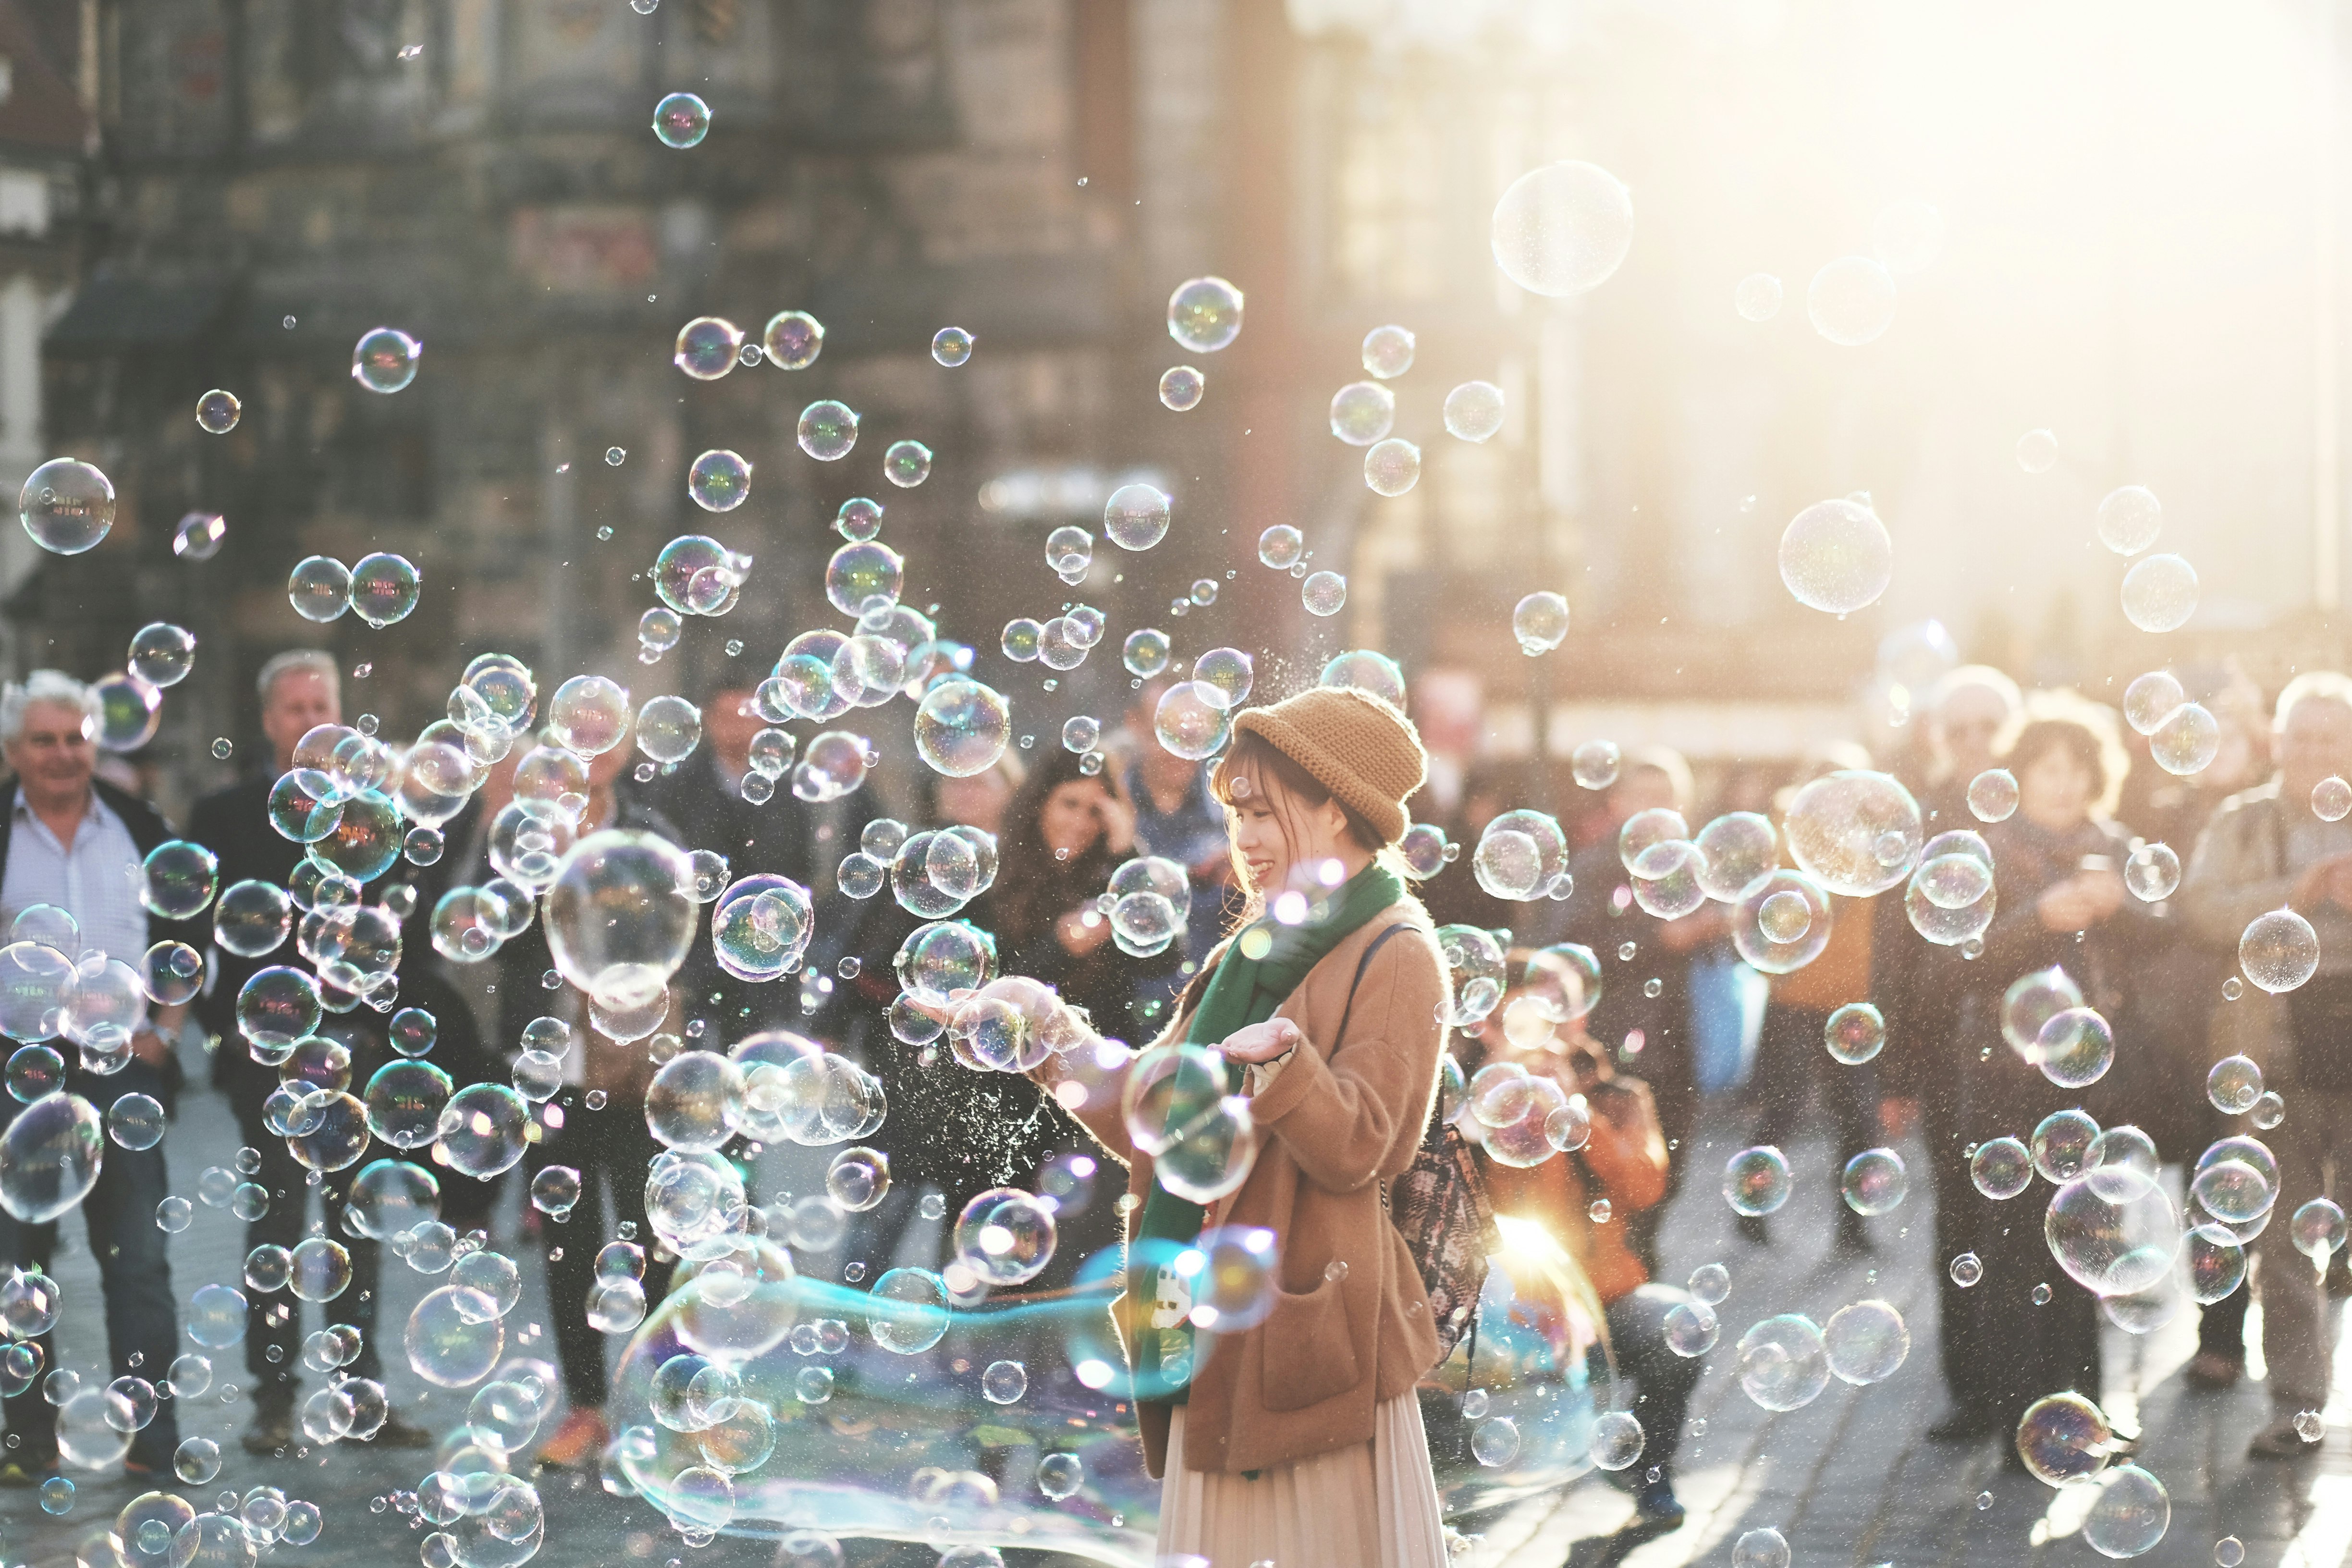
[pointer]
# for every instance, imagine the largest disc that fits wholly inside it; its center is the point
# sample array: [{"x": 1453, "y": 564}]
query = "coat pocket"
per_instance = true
[{"x": 1307, "y": 1353}]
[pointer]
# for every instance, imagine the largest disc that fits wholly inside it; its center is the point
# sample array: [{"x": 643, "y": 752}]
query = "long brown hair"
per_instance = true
[{"x": 1033, "y": 888}]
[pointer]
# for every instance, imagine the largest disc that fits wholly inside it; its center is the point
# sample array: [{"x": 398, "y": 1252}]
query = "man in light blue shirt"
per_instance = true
[{"x": 76, "y": 844}]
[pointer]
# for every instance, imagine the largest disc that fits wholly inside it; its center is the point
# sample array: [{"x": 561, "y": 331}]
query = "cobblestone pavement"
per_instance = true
[{"x": 1849, "y": 1480}]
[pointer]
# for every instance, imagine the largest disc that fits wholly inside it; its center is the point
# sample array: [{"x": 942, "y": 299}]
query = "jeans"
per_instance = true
[
  {"x": 142, "y": 1314},
  {"x": 274, "y": 1322},
  {"x": 612, "y": 1144},
  {"x": 1663, "y": 1380},
  {"x": 2299, "y": 1325}
]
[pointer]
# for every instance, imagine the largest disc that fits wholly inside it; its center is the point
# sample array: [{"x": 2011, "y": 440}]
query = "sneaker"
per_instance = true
[
  {"x": 2211, "y": 1370},
  {"x": 397, "y": 1433},
  {"x": 1657, "y": 1508},
  {"x": 271, "y": 1431},
  {"x": 578, "y": 1443},
  {"x": 2280, "y": 1440}
]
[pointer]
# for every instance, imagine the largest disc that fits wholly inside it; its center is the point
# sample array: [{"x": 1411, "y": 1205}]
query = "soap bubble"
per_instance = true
[
  {"x": 1496, "y": 1441},
  {"x": 1540, "y": 622},
  {"x": 2075, "y": 1047},
  {"x": 2318, "y": 1229},
  {"x": 2128, "y": 520},
  {"x": 1189, "y": 723},
  {"x": 2159, "y": 594},
  {"x": 218, "y": 411},
  {"x": 49, "y": 1157},
  {"x": 1782, "y": 923},
  {"x": 2062, "y": 1145},
  {"x": 718, "y": 481},
  {"x": 1004, "y": 1236},
  {"x": 1966, "y": 1269},
  {"x": 2234, "y": 1084},
  {"x": 2150, "y": 699},
  {"x": 2037, "y": 451},
  {"x": 961, "y": 727},
  {"x": 2114, "y": 1238},
  {"x": 1692, "y": 1329},
  {"x": 681, "y": 120},
  {"x": 2064, "y": 1438},
  {"x": 162, "y": 654},
  {"x": 2152, "y": 871},
  {"x": 385, "y": 360},
  {"x": 1756, "y": 297},
  {"x": 2001, "y": 1167},
  {"x": 2131, "y": 1515},
  {"x": 668, "y": 729},
  {"x": 1783, "y": 1364},
  {"x": 198, "y": 536},
  {"x": 320, "y": 588},
  {"x": 620, "y": 916},
  {"x": 695, "y": 1101},
  {"x": 907, "y": 464},
  {"x": 453, "y": 1337},
  {"x": 216, "y": 1317},
  {"x": 67, "y": 506},
  {"x": 1617, "y": 1440},
  {"x": 2331, "y": 799},
  {"x": 1874, "y": 1182},
  {"x": 1756, "y": 1180},
  {"x": 483, "y": 1129},
  {"x": 793, "y": 340},
  {"x": 1855, "y": 832},
  {"x": 1836, "y": 556},
  {"x": 1562, "y": 230},
  {"x": 1391, "y": 467},
  {"x": 707, "y": 347},
  {"x": 1181, "y": 387},
  {"x": 1474, "y": 411},
  {"x": 1388, "y": 352},
  {"x": 2278, "y": 951},
  {"x": 1855, "y": 1033},
  {"x": 951, "y": 346},
  {"x": 1367, "y": 669},
  {"x": 1850, "y": 301},
  {"x": 1136, "y": 517},
  {"x": 906, "y": 1312},
  {"x": 1992, "y": 795},
  {"x": 1324, "y": 593},
  {"x": 2189, "y": 739},
  {"x": 1594, "y": 763},
  {"x": 1205, "y": 314},
  {"x": 1867, "y": 1342},
  {"x": 1363, "y": 411},
  {"x": 177, "y": 878},
  {"x": 384, "y": 588}
]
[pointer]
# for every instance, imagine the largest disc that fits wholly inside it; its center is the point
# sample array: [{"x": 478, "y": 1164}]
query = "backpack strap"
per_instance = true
[{"x": 1361, "y": 964}]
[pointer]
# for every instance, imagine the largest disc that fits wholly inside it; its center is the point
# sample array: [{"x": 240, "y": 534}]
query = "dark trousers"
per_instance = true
[
  {"x": 1793, "y": 1064},
  {"x": 142, "y": 1315},
  {"x": 1663, "y": 1381},
  {"x": 611, "y": 1144},
  {"x": 273, "y": 1334}
]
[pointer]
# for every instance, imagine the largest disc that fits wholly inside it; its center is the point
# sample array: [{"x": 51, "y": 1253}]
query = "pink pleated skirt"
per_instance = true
[{"x": 1370, "y": 1506}]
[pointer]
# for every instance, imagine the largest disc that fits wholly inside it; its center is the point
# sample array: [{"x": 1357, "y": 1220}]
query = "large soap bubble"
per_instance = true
[
  {"x": 67, "y": 506},
  {"x": 2279, "y": 950},
  {"x": 1855, "y": 832},
  {"x": 2111, "y": 1242},
  {"x": 1563, "y": 228},
  {"x": 961, "y": 727},
  {"x": 50, "y": 1156},
  {"x": 1783, "y": 1362},
  {"x": 1835, "y": 555},
  {"x": 620, "y": 916}
]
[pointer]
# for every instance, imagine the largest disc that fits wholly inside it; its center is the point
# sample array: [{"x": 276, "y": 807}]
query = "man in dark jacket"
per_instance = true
[
  {"x": 299, "y": 690},
  {"x": 75, "y": 844}
]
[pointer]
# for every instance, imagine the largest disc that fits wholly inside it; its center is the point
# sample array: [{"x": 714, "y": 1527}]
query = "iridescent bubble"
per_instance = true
[
  {"x": 718, "y": 481},
  {"x": 1594, "y": 763},
  {"x": 2062, "y": 1145},
  {"x": 1181, "y": 387},
  {"x": 1874, "y": 1182},
  {"x": 1391, "y": 467},
  {"x": 1966, "y": 1269},
  {"x": 1363, "y": 411},
  {"x": 198, "y": 535},
  {"x": 1867, "y": 1342},
  {"x": 681, "y": 120},
  {"x": 1836, "y": 556},
  {"x": 2064, "y": 1438},
  {"x": 1855, "y": 1033},
  {"x": 2331, "y": 799},
  {"x": 620, "y": 916},
  {"x": 2075, "y": 1047},
  {"x": 1323, "y": 592},
  {"x": 589, "y": 714},
  {"x": 961, "y": 727},
  {"x": 385, "y": 360},
  {"x": 707, "y": 347},
  {"x": 2131, "y": 1515},
  {"x": 907, "y": 464},
  {"x": 2152, "y": 871},
  {"x": 2113, "y": 1237},
  {"x": 1692, "y": 1329},
  {"x": 1005, "y": 1235},
  {"x": 320, "y": 588},
  {"x": 1189, "y": 722},
  {"x": 1205, "y": 314},
  {"x": 177, "y": 878},
  {"x": 1782, "y": 923},
  {"x": 2234, "y": 1084},
  {"x": 1756, "y": 1180},
  {"x": 907, "y": 1310},
  {"x": 218, "y": 411},
  {"x": 951, "y": 346},
  {"x": 1136, "y": 517},
  {"x": 1540, "y": 622},
  {"x": 2187, "y": 741},
  {"x": 1992, "y": 795},
  {"x": 1562, "y": 230},
  {"x": 1850, "y": 301},
  {"x": 1367, "y": 669},
  {"x": 2129, "y": 518},
  {"x": 67, "y": 506},
  {"x": 2037, "y": 451},
  {"x": 1783, "y": 1364},
  {"x": 2159, "y": 594},
  {"x": 1474, "y": 411},
  {"x": 453, "y": 1337},
  {"x": 2278, "y": 951},
  {"x": 1756, "y": 297},
  {"x": 162, "y": 654},
  {"x": 793, "y": 340}
]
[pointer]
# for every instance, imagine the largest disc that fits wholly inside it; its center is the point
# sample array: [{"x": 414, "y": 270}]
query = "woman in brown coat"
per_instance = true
[{"x": 1297, "y": 1439}]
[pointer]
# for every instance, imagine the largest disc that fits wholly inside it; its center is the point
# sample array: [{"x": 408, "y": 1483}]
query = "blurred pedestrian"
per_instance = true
[
  {"x": 1622, "y": 1168},
  {"x": 2021, "y": 1334},
  {"x": 300, "y": 690},
  {"x": 2269, "y": 848},
  {"x": 77, "y": 845},
  {"x": 1177, "y": 819}
]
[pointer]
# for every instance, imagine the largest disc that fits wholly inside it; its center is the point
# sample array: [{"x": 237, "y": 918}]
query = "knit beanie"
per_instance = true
[{"x": 1357, "y": 746}]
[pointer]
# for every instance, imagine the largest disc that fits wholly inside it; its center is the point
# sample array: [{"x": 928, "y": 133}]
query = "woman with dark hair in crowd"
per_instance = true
[{"x": 2064, "y": 906}]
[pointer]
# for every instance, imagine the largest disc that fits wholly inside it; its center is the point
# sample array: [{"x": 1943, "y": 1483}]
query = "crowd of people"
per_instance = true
[{"x": 1311, "y": 772}]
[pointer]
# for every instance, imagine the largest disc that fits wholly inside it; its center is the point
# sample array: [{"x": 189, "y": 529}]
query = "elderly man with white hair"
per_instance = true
[
  {"x": 75, "y": 843},
  {"x": 2268, "y": 847}
]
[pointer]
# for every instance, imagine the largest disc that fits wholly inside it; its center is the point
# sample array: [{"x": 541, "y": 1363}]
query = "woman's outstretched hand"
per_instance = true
[{"x": 1262, "y": 1042}]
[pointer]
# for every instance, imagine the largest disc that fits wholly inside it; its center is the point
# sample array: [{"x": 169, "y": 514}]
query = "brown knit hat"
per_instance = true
[{"x": 1359, "y": 748}]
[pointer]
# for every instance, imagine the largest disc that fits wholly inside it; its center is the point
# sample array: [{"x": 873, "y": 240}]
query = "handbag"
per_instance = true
[{"x": 1439, "y": 1205}]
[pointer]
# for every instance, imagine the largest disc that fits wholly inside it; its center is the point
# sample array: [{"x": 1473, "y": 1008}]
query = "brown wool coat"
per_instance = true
[{"x": 1343, "y": 1115}]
